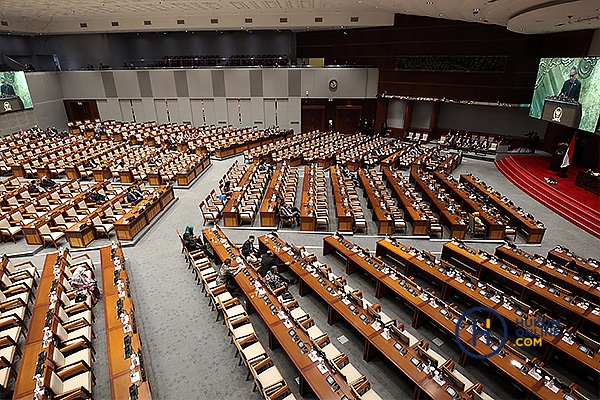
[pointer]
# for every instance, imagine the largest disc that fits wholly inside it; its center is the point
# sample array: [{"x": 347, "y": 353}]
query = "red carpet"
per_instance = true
[{"x": 571, "y": 202}]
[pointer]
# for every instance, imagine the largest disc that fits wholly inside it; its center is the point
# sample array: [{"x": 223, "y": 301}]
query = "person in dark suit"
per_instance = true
[
  {"x": 572, "y": 87},
  {"x": 249, "y": 251},
  {"x": 6, "y": 89}
]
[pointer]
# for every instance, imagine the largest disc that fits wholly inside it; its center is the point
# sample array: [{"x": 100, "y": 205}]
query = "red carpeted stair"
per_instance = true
[{"x": 571, "y": 202}]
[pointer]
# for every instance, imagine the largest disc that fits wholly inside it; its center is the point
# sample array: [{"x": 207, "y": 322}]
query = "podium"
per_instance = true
[
  {"x": 560, "y": 111},
  {"x": 8, "y": 104}
]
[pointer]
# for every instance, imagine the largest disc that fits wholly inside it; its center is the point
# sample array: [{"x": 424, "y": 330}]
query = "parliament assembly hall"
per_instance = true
[{"x": 294, "y": 199}]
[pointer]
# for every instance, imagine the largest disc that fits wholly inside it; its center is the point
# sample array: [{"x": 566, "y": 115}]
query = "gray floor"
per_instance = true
[{"x": 189, "y": 355}]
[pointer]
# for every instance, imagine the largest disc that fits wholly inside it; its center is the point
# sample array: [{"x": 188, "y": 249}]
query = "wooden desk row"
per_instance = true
[
  {"x": 450, "y": 212},
  {"x": 346, "y": 209},
  {"x": 376, "y": 201},
  {"x": 314, "y": 197},
  {"x": 25, "y": 384},
  {"x": 564, "y": 256},
  {"x": 311, "y": 378},
  {"x": 283, "y": 185},
  {"x": 494, "y": 221},
  {"x": 253, "y": 179},
  {"x": 80, "y": 234},
  {"x": 517, "y": 218},
  {"x": 407, "y": 357},
  {"x": 142, "y": 214},
  {"x": 427, "y": 306},
  {"x": 579, "y": 284},
  {"x": 405, "y": 195},
  {"x": 128, "y": 373},
  {"x": 453, "y": 281},
  {"x": 551, "y": 297}
]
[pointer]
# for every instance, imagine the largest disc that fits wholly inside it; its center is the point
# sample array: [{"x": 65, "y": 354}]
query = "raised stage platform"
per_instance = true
[{"x": 575, "y": 204}]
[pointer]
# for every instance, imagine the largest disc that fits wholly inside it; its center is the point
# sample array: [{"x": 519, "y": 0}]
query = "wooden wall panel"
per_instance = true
[{"x": 414, "y": 36}]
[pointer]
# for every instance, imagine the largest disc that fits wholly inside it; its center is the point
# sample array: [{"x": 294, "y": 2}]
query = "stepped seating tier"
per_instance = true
[{"x": 567, "y": 205}]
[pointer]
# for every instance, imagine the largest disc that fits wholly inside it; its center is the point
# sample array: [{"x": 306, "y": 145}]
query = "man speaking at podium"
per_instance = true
[
  {"x": 572, "y": 86},
  {"x": 6, "y": 90}
]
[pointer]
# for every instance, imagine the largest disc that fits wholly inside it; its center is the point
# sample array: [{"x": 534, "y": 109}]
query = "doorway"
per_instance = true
[
  {"x": 346, "y": 118},
  {"x": 313, "y": 118},
  {"x": 81, "y": 110}
]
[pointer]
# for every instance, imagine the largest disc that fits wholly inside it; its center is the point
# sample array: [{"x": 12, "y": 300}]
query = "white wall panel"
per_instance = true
[
  {"x": 174, "y": 114},
  {"x": 149, "y": 113},
  {"x": 221, "y": 111},
  {"x": 163, "y": 83},
  {"x": 295, "y": 113},
  {"x": 82, "y": 85},
  {"x": 114, "y": 110},
  {"x": 269, "y": 110},
  {"x": 275, "y": 82},
  {"x": 283, "y": 114},
  {"x": 199, "y": 83},
  {"x": 103, "y": 109},
  {"x": 258, "y": 112},
  {"x": 161, "y": 111},
  {"x": 201, "y": 117},
  {"x": 185, "y": 109},
  {"x": 127, "y": 84},
  {"x": 126, "y": 110},
  {"x": 237, "y": 83}
]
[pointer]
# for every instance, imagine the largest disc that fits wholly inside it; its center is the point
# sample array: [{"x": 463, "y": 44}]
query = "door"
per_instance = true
[
  {"x": 346, "y": 118},
  {"x": 313, "y": 118},
  {"x": 81, "y": 110}
]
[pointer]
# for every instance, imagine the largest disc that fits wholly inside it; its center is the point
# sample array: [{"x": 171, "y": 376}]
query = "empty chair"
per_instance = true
[
  {"x": 510, "y": 231},
  {"x": 78, "y": 386},
  {"x": 267, "y": 377},
  {"x": 6, "y": 229},
  {"x": 102, "y": 227},
  {"x": 50, "y": 236},
  {"x": 361, "y": 223},
  {"x": 209, "y": 213}
]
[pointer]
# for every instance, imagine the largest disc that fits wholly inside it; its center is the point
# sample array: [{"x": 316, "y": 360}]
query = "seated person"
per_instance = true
[
  {"x": 249, "y": 251},
  {"x": 267, "y": 262},
  {"x": 289, "y": 212},
  {"x": 47, "y": 182},
  {"x": 226, "y": 189},
  {"x": 478, "y": 225},
  {"x": 97, "y": 198},
  {"x": 226, "y": 272},
  {"x": 36, "y": 188},
  {"x": 275, "y": 280},
  {"x": 193, "y": 243},
  {"x": 132, "y": 196}
]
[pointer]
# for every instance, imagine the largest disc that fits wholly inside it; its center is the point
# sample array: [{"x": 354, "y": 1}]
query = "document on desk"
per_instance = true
[
  {"x": 322, "y": 368},
  {"x": 439, "y": 380},
  {"x": 135, "y": 377},
  {"x": 552, "y": 387},
  {"x": 567, "y": 340},
  {"x": 534, "y": 374},
  {"x": 314, "y": 357}
]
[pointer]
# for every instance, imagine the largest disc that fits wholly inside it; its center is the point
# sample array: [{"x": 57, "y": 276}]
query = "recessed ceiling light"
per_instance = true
[
  {"x": 522, "y": 29},
  {"x": 442, "y": 14},
  {"x": 430, "y": 2}
]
